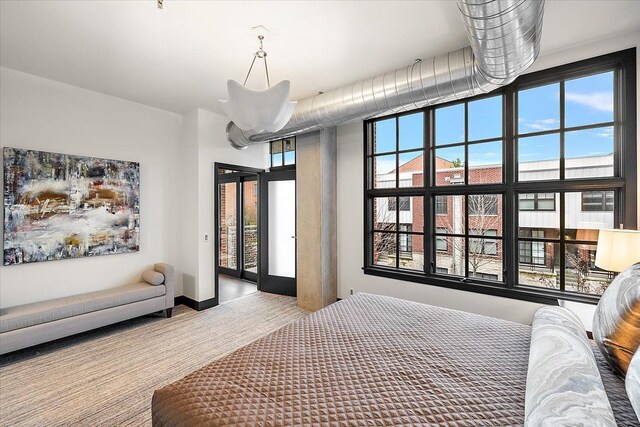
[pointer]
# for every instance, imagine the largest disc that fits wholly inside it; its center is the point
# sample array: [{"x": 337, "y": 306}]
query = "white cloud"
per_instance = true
[
  {"x": 542, "y": 124},
  {"x": 600, "y": 101}
]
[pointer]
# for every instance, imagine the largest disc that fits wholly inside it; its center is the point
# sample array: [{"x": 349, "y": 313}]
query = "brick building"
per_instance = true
[{"x": 539, "y": 218}]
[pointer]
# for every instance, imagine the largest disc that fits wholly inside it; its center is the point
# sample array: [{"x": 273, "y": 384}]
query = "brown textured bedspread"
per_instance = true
[{"x": 364, "y": 361}]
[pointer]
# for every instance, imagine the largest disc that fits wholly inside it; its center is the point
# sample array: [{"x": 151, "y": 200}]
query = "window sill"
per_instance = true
[{"x": 548, "y": 297}]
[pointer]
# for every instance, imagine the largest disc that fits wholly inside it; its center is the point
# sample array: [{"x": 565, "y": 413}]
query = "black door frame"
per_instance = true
[
  {"x": 238, "y": 177},
  {"x": 274, "y": 284}
]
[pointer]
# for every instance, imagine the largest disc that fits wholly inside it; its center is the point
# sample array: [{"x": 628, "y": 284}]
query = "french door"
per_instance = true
[
  {"x": 237, "y": 201},
  {"x": 278, "y": 232}
]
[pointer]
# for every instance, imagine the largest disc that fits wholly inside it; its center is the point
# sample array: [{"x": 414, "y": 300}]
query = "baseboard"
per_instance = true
[{"x": 196, "y": 305}]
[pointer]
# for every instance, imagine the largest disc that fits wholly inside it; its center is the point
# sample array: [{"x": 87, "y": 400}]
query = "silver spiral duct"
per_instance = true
[{"x": 505, "y": 40}]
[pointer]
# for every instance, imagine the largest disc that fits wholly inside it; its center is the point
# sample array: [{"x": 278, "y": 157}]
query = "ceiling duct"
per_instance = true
[{"x": 505, "y": 41}]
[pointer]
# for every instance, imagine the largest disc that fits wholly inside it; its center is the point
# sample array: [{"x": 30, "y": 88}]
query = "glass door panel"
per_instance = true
[
  {"x": 282, "y": 228},
  {"x": 228, "y": 226},
  {"x": 278, "y": 232},
  {"x": 250, "y": 226}
]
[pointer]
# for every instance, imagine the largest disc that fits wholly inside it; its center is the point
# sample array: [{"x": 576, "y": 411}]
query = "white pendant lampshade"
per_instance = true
[
  {"x": 618, "y": 249},
  {"x": 258, "y": 110}
]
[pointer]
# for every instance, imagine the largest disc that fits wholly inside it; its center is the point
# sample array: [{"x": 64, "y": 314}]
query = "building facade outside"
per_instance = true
[{"x": 538, "y": 218}]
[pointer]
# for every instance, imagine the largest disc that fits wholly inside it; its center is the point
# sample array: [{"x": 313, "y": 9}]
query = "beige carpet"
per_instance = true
[{"x": 107, "y": 377}]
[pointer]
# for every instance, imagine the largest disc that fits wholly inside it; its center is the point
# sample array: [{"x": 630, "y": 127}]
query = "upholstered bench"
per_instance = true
[{"x": 30, "y": 324}]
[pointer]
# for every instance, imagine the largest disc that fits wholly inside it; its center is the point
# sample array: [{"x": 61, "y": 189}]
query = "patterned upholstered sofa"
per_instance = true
[{"x": 30, "y": 324}]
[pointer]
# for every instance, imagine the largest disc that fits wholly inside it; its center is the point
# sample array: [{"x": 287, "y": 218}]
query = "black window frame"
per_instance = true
[
  {"x": 283, "y": 165},
  {"x": 624, "y": 182}
]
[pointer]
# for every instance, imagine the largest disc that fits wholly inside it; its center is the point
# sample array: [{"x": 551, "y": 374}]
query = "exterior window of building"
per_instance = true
[
  {"x": 405, "y": 203},
  {"x": 532, "y": 252},
  {"x": 505, "y": 193},
  {"x": 537, "y": 202},
  {"x": 441, "y": 242},
  {"x": 484, "y": 246},
  {"x": 486, "y": 276},
  {"x": 405, "y": 239},
  {"x": 598, "y": 201},
  {"x": 283, "y": 152},
  {"x": 441, "y": 206},
  {"x": 483, "y": 205}
]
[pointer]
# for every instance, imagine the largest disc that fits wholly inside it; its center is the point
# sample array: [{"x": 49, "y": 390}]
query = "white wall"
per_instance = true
[
  {"x": 350, "y": 215},
  {"x": 186, "y": 234},
  {"x": 206, "y": 144},
  {"x": 42, "y": 114}
]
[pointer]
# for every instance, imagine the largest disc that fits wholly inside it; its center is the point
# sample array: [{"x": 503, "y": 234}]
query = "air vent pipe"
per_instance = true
[{"x": 505, "y": 41}]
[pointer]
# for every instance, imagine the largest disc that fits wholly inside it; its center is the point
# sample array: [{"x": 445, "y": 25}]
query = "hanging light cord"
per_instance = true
[{"x": 262, "y": 55}]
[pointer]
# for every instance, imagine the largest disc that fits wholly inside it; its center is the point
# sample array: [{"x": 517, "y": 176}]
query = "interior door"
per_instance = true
[{"x": 277, "y": 230}]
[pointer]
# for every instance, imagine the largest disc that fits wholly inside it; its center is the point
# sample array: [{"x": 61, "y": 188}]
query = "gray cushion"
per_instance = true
[
  {"x": 563, "y": 382},
  {"x": 153, "y": 277},
  {"x": 632, "y": 383},
  {"x": 23, "y": 316},
  {"x": 616, "y": 322}
]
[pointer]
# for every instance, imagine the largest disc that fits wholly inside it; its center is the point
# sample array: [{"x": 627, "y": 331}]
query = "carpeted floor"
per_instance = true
[{"x": 107, "y": 377}]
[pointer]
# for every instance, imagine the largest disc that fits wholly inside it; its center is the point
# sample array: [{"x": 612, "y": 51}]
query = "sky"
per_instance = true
[{"x": 588, "y": 100}]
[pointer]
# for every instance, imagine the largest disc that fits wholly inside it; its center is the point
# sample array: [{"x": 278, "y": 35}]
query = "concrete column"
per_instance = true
[{"x": 316, "y": 219}]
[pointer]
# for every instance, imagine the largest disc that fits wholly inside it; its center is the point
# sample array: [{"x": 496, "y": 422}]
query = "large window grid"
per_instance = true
[{"x": 621, "y": 180}]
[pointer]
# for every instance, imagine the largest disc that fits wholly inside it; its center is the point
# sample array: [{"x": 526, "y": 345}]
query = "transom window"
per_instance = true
[
  {"x": 283, "y": 152},
  {"x": 505, "y": 193}
]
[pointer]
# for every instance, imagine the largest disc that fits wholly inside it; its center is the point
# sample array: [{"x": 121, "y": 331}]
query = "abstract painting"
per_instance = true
[{"x": 59, "y": 206}]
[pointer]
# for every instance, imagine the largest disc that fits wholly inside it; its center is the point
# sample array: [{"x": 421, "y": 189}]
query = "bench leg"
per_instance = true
[{"x": 169, "y": 311}]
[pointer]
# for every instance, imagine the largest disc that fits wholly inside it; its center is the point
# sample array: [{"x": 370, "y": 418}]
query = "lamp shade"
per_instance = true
[
  {"x": 258, "y": 110},
  {"x": 618, "y": 249}
]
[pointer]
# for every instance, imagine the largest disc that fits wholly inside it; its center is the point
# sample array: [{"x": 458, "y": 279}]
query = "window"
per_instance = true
[
  {"x": 398, "y": 234},
  {"x": 484, "y": 246},
  {"x": 441, "y": 242},
  {"x": 486, "y": 276},
  {"x": 441, "y": 206},
  {"x": 505, "y": 193},
  {"x": 531, "y": 252},
  {"x": 405, "y": 203},
  {"x": 537, "y": 202},
  {"x": 483, "y": 205},
  {"x": 598, "y": 201},
  {"x": 405, "y": 239},
  {"x": 283, "y": 152}
]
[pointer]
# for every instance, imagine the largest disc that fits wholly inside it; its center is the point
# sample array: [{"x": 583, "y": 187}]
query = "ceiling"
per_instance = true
[{"x": 180, "y": 58}]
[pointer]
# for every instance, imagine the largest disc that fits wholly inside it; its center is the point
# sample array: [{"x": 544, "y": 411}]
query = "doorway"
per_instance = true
[
  {"x": 237, "y": 248},
  {"x": 278, "y": 232},
  {"x": 255, "y": 227}
]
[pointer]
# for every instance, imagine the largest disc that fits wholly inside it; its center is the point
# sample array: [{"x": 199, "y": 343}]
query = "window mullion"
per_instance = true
[
  {"x": 562, "y": 241},
  {"x": 510, "y": 221},
  {"x": 466, "y": 235}
]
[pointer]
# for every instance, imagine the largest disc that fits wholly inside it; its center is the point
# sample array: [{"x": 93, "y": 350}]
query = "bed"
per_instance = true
[{"x": 366, "y": 360}]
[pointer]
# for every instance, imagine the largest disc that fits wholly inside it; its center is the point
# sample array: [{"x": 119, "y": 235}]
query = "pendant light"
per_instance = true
[{"x": 258, "y": 110}]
